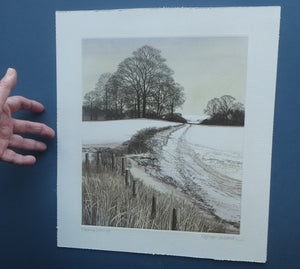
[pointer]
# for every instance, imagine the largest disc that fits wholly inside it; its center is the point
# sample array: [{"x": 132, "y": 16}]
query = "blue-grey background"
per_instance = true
[{"x": 28, "y": 194}]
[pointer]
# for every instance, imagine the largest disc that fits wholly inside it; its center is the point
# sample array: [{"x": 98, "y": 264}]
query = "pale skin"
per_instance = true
[{"x": 11, "y": 129}]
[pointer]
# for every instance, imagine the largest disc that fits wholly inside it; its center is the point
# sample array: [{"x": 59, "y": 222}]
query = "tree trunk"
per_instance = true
[
  {"x": 91, "y": 111},
  {"x": 138, "y": 107},
  {"x": 144, "y": 105},
  {"x": 106, "y": 100},
  {"x": 158, "y": 107}
]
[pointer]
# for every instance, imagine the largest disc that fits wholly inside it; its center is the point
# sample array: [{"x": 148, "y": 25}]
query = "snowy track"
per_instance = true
[{"x": 210, "y": 176}]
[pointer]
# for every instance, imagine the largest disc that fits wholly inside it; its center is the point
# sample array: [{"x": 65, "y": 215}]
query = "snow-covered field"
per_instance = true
[
  {"x": 114, "y": 133},
  {"x": 219, "y": 147}
]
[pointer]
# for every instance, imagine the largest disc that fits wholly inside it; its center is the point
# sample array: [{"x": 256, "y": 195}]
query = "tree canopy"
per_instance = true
[
  {"x": 142, "y": 86},
  {"x": 225, "y": 110}
]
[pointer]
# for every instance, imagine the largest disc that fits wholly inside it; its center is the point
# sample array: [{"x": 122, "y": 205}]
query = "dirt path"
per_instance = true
[
  {"x": 214, "y": 189},
  {"x": 177, "y": 164}
]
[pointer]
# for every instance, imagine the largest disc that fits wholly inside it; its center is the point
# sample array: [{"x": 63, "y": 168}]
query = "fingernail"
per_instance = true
[{"x": 10, "y": 72}]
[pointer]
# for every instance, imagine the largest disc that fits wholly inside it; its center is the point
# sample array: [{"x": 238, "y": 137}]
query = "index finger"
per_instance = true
[{"x": 7, "y": 83}]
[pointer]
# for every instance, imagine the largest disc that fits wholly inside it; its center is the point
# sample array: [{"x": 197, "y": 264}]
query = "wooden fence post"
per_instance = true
[
  {"x": 134, "y": 188},
  {"x": 123, "y": 165},
  {"x": 87, "y": 162},
  {"x": 97, "y": 158},
  {"x": 113, "y": 161},
  {"x": 174, "y": 220},
  {"x": 126, "y": 177},
  {"x": 98, "y": 161},
  {"x": 153, "y": 207}
]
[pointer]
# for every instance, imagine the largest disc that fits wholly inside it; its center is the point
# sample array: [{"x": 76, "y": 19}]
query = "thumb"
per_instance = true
[{"x": 7, "y": 83}]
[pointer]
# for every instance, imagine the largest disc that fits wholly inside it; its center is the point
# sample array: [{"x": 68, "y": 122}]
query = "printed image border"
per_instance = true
[{"x": 159, "y": 188}]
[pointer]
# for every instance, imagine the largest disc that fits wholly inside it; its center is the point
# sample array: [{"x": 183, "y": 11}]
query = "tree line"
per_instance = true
[
  {"x": 225, "y": 110},
  {"x": 142, "y": 87}
]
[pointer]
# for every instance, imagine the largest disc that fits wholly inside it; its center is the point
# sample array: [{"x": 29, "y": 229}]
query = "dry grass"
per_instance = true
[{"x": 108, "y": 201}]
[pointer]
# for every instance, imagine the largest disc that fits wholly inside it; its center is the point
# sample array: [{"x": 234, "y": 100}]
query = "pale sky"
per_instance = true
[{"x": 206, "y": 67}]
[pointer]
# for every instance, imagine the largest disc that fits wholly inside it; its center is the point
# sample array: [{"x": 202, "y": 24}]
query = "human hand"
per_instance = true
[{"x": 10, "y": 128}]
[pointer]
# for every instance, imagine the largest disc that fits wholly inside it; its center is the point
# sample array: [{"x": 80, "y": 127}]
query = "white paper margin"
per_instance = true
[{"x": 261, "y": 26}]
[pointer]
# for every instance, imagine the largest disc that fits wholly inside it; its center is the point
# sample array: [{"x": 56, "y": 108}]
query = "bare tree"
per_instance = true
[
  {"x": 225, "y": 110},
  {"x": 102, "y": 89},
  {"x": 90, "y": 99},
  {"x": 212, "y": 107},
  {"x": 222, "y": 106},
  {"x": 115, "y": 95},
  {"x": 127, "y": 71},
  {"x": 175, "y": 97},
  {"x": 227, "y": 103},
  {"x": 159, "y": 94},
  {"x": 141, "y": 72}
]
